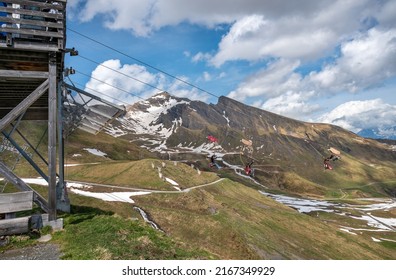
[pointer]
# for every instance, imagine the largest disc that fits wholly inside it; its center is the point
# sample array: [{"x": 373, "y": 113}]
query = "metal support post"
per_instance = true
[
  {"x": 62, "y": 202},
  {"x": 52, "y": 106}
]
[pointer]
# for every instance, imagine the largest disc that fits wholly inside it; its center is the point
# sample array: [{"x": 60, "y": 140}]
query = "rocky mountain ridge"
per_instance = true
[
  {"x": 178, "y": 128},
  {"x": 169, "y": 121}
]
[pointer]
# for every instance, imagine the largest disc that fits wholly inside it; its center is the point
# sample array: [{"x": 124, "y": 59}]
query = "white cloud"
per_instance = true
[
  {"x": 131, "y": 15},
  {"x": 206, "y": 76},
  {"x": 287, "y": 33},
  {"x": 293, "y": 105},
  {"x": 200, "y": 57},
  {"x": 292, "y": 35},
  {"x": 358, "y": 115},
  {"x": 365, "y": 61},
  {"x": 114, "y": 80},
  {"x": 273, "y": 81},
  {"x": 261, "y": 29},
  {"x": 386, "y": 14},
  {"x": 254, "y": 37},
  {"x": 144, "y": 17},
  {"x": 131, "y": 83}
]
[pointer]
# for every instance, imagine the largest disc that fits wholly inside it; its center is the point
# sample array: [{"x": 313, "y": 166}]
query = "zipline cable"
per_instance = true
[
  {"x": 121, "y": 73},
  {"x": 144, "y": 63},
  {"x": 148, "y": 65}
]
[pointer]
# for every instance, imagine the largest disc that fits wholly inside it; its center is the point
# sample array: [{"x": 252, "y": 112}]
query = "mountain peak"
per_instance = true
[{"x": 161, "y": 95}]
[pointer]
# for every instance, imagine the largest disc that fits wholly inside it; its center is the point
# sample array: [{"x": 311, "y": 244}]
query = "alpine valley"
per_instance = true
[{"x": 152, "y": 166}]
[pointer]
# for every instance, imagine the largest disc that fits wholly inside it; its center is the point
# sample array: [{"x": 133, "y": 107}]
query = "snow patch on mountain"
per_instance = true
[
  {"x": 145, "y": 122},
  {"x": 95, "y": 152},
  {"x": 227, "y": 119}
]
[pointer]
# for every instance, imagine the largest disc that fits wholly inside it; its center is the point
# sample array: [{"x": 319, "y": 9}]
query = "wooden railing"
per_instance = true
[
  {"x": 9, "y": 205},
  {"x": 33, "y": 24}
]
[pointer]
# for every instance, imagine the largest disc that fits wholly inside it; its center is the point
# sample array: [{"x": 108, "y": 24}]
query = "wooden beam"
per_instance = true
[
  {"x": 33, "y": 46},
  {"x": 34, "y": 13},
  {"x": 31, "y": 22},
  {"x": 24, "y": 105},
  {"x": 22, "y": 186},
  {"x": 14, "y": 226},
  {"x": 14, "y": 202},
  {"x": 37, "y": 4},
  {"x": 52, "y": 132},
  {"x": 25, "y": 155},
  {"x": 23, "y": 74},
  {"x": 32, "y": 32}
]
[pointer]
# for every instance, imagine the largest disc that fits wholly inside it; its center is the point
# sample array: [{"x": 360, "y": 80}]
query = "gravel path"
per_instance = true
[{"x": 42, "y": 251}]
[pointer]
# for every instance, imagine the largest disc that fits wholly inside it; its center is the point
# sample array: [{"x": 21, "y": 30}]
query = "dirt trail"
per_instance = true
[{"x": 42, "y": 251}]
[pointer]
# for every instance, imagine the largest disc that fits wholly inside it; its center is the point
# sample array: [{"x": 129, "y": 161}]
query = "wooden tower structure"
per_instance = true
[{"x": 32, "y": 52}]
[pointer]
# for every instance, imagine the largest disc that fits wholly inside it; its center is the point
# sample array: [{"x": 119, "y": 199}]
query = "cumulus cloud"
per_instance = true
[
  {"x": 358, "y": 115},
  {"x": 385, "y": 14},
  {"x": 365, "y": 61},
  {"x": 258, "y": 28},
  {"x": 273, "y": 81},
  {"x": 129, "y": 83},
  {"x": 292, "y": 36},
  {"x": 291, "y": 104},
  {"x": 201, "y": 57},
  {"x": 145, "y": 17},
  {"x": 106, "y": 79},
  {"x": 286, "y": 33},
  {"x": 254, "y": 37}
]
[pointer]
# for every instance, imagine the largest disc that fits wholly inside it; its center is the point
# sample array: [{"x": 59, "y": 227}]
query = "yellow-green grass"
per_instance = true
[
  {"x": 111, "y": 237},
  {"x": 236, "y": 222},
  {"x": 101, "y": 230},
  {"x": 115, "y": 148},
  {"x": 226, "y": 220},
  {"x": 141, "y": 174}
]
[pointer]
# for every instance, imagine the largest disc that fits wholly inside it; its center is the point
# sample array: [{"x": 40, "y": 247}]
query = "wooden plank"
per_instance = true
[
  {"x": 40, "y": 23},
  {"x": 34, "y": 46},
  {"x": 22, "y": 186},
  {"x": 23, "y": 74},
  {"x": 32, "y": 32},
  {"x": 39, "y": 4},
  {"x": 14, "y": 226},
  {"x": 14, "y": 202},
  {"x": 23, "y": 12}
]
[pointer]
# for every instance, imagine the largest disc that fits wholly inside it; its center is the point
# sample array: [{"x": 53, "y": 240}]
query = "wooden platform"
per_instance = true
[{"x": 31, "y": 33}]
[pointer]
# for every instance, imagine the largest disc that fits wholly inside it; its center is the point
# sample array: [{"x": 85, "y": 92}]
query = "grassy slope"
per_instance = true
[
  {"x": 93, "y": 235},
  {"x": 233, "y": 221},
  {"x": 102, "y": 230},
  {"x": 140, "y": 174},
  {"x": 298, "y": 176},
  {"x": 236, "y": 222},
  {"x": 229, "y": 220}
]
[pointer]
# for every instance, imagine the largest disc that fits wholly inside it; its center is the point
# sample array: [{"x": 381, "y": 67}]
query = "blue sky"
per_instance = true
[{"x": 313, "y": 60}]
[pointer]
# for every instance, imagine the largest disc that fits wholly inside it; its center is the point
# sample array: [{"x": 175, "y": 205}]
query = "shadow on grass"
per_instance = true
[{"x": 80, "y": 214}]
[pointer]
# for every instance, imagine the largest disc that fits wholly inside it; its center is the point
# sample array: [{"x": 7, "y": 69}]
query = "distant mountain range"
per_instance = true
[
  {"x": 165, "y": 123},
  {"x": 178, "y": 129}
]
